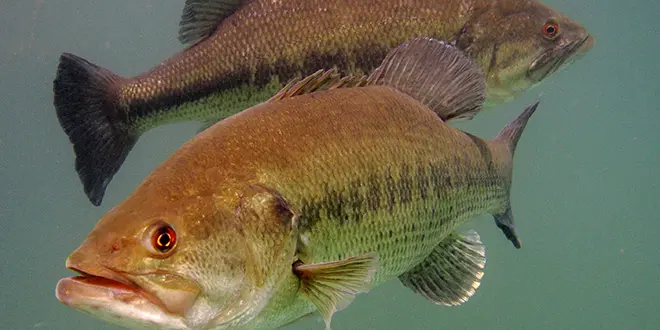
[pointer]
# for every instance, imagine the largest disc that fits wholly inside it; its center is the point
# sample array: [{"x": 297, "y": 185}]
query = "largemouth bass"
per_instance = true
[
  {"x": 242, "y": 52},
  {"x": 298, "y": 204}
]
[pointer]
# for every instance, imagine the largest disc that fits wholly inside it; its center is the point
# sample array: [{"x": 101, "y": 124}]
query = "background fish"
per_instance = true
[
  {"x": 298, "y": 204},
  {"x": 244, "y": 51}
]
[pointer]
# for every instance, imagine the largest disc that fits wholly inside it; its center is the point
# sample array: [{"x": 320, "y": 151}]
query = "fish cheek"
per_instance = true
[{"x": 267, "y": 222}]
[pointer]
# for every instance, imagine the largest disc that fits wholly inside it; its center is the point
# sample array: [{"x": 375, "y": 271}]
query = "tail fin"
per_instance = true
[
  {"x": 510, "y": 135},
  {"x": 88, "y": 109}
]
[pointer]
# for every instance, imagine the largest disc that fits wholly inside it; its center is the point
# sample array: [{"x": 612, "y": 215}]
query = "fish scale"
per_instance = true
[
  {"x": 254, "y": 44},
  {"x": 334, "y": 186},
  {"x": 443, "y": 155},
  {"x": 240, "y": 53}
]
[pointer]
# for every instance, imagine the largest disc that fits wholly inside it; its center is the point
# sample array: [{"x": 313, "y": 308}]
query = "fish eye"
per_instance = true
[
  {"x": 550, "y": 30},
  {"x": 163, "y": 238}
]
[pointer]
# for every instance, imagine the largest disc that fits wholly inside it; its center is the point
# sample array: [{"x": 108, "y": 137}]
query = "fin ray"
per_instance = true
[
  {"x": 510, "y": 135},
  {"x": 437, "y": 74},
  {"x": 451, "y": 274},
  {"x": 319, "y": 81},
  {"x": 512, "y": 132},
  {"x": 332, "y": 286},
  {"x": 200, "y": 18},
  {"x": 89, "y": 113}
]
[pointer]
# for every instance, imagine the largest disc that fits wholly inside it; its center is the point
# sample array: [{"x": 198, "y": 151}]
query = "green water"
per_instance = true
[{"x": 586, "y": 192}]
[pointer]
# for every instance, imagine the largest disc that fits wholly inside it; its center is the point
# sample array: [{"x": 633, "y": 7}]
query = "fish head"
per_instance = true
[
  {"x": 520, "y": 43},
  {"x": 201, "y": 262}
]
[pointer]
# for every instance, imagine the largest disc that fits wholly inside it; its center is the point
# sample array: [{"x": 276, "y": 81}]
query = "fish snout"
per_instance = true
[
  {"x": 89, "y": 266},
  {"x": 586, "y": 45}
]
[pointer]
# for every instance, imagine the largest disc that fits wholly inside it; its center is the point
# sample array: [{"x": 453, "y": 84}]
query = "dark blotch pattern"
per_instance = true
[
  {"x": 389, "y": 191},
  {"x": 365, "y": 60}
]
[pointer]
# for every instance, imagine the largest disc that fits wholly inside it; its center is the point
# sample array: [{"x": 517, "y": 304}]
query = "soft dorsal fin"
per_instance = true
[
  {"x": 431, "y": 71},
  {"x": 200, "y": 18},
  {"x": 318, "y": 81},
  {"x": 436, "y": 74}
]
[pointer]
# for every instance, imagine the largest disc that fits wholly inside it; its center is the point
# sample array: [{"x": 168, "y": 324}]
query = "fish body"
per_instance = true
[
  {"x": 298, "y": 204},
  {"x": 242, "y": 52}
]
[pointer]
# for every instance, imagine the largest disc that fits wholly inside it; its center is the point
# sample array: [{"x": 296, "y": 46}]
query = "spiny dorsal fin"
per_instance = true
[
  {"x": 451, "y": 273},
  {"x": 200, "y": 18},
  {"x": 436, "y": 74},
  {"x": 332, "y": 286},
  {"x": 318, "y": 81}
]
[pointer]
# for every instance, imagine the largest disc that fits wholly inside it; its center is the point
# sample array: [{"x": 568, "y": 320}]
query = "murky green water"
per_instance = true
[{"x": 586, "y": 190}]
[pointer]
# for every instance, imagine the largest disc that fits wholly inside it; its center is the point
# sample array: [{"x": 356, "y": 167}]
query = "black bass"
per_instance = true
[
  {"x": 242, "y": 52},
  {"x": 296, "y": 205}
]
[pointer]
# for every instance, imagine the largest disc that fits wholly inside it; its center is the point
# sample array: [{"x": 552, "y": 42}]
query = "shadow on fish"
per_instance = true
[
  {"x": 242, "y": 52},
  {"x": 333, "y": 186}
]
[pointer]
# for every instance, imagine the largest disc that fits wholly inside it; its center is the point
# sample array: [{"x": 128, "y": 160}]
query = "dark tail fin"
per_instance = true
[
  {"x": 510, "y": 135},
  {"x": 87, "y": 107}
]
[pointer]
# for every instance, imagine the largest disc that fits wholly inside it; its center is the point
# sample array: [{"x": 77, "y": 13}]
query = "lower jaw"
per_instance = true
[{"x": 114, "y": 302}]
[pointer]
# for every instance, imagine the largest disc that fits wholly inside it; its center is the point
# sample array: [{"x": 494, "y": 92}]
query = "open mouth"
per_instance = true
[
  {"x": 115, "y": 301},
  {"x": 103, "y": 282},
  {"x": 88, "y": 291}
]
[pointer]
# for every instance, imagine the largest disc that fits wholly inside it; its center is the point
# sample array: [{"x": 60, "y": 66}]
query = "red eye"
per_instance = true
[
  {"x": 550, "y": 29},
  {"x": 163, "y": 238}
]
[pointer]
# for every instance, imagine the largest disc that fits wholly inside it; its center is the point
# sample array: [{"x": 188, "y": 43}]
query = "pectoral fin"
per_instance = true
[
  {"x": 451, "y": 273},
  {"x": 332, "y": 286}
]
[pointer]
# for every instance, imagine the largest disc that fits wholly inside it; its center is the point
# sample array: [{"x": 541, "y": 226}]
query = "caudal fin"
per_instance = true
[
  {"x": 87, "y": 107},
  {"x": 510, "y": 135}
]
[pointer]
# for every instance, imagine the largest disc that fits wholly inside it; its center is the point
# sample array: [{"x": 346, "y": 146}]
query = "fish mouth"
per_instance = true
[
  {"x": 112, "y": 297},
  {"x": 71, "y": 290},
  {"x": 555, "y": 59}
]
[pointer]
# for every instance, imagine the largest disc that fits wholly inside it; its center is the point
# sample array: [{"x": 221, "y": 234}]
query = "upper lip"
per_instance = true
[
  {"x": 580, "y": 43},
  {"x": 100, "y": 271}
]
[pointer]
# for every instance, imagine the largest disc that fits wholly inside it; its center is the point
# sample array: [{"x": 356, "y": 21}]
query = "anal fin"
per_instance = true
[
  {"x": 332, "y": 286},
  {"x": 451, "y": 274}
]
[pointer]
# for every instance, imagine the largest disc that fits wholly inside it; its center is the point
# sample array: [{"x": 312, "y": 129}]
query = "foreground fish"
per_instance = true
[
  {"x": 298, "y": 204},
  {"x": 245, "y": 50}
]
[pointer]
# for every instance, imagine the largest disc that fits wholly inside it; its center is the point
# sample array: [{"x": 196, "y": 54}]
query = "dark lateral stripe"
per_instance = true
[
  {"x": 366, "y": 58},
  {"x": 389, "y": 191}
]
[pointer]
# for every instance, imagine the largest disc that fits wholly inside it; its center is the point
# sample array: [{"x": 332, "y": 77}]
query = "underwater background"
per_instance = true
[{"x": 586, "y": 190}]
